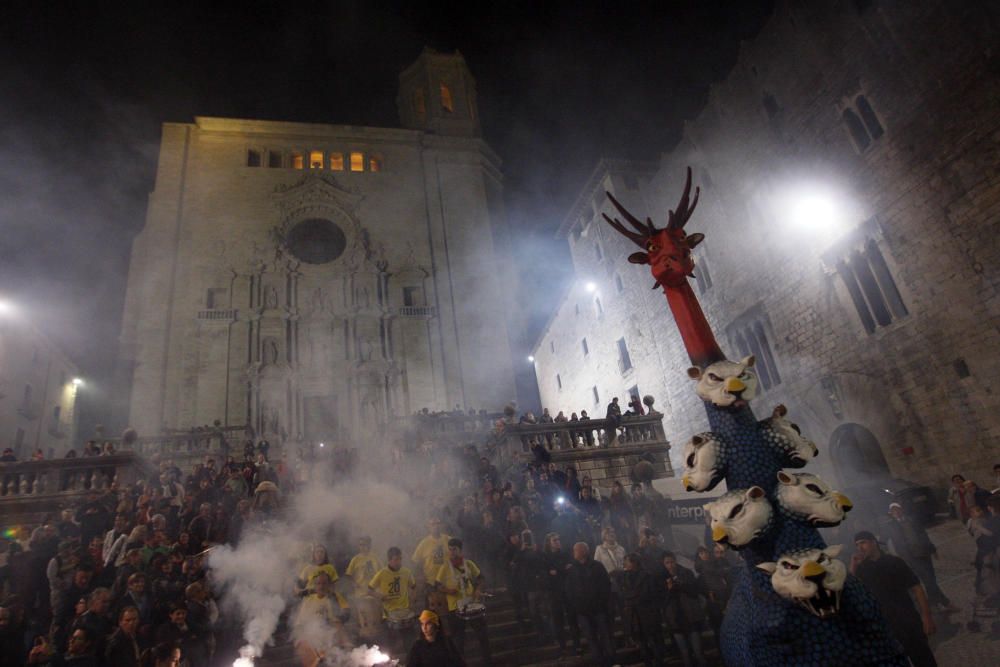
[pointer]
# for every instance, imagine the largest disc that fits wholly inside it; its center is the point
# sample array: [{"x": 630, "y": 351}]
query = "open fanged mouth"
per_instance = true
[{"x": 824, "y": 604}]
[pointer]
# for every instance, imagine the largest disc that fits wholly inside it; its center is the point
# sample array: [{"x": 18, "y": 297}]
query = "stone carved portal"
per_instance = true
[{"x": 322, "y": 368}]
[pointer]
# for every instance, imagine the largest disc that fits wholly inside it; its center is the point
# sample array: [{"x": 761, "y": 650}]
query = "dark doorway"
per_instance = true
[
  {"x": 321, "y": 418},
  {"x": 857, "y": 454}
]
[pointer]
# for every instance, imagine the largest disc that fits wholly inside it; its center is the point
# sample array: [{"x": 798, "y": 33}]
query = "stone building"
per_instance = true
[
  {"x": 850, "y": 200},
  {"x": 315, "y": 280},
  {"x": 38, "y": 391}
]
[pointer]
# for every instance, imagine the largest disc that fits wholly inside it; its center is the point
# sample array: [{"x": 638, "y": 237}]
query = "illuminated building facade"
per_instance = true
[
  {"x": 314, "y": 281},
  {"x": 38, "y": 392},
  {"x": 849, "y": 201}
]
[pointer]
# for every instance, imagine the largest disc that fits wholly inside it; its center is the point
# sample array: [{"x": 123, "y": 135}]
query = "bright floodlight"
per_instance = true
[
  {"x": 814, "y": 211},
  {"x": 77, "y": 382},
  {"x": 5, "y": 307},
  {"x": 322, "y": 445},
  {"x": 531, "y": 359},
  {"x": 591, "y": 286}
]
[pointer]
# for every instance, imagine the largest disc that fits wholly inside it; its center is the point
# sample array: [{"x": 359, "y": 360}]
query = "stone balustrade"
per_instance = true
[
  {"x": 69, "y": 477},
  {"x": 594, "y": 446}
]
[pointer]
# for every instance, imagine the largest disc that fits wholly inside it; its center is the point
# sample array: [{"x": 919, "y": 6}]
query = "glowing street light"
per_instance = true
[
  {"x": 322, "y": 444},
  {"x": 591, "y": 286},
  {"x": 77, "y": 382},
  {"x": 6, "y": 307},
  {"x": 531, "y": 359}
]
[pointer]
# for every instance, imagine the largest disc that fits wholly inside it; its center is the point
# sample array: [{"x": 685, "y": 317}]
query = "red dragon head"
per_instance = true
[{"x": 668, "y": 250}]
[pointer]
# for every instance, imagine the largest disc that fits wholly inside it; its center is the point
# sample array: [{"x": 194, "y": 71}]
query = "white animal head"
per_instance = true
[
  {"x": 811, "y": 577},
  {"x": 787, "y": 437},
  {"x": 808, "y": 496},
  {"x": 701, "y": 463},
  {"x": 739, "y": 516},
  {"x": 725, "y": 383}
]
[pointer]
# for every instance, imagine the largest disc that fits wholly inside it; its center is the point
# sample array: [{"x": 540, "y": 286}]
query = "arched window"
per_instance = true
[{"x": 857, "y": 130}]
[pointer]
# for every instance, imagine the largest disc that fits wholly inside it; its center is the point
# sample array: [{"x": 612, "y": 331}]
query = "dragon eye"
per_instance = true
[
  {"x": 821, "y": 559},
  {"x": 789, "y": 566},
  {"x": 736, "y": 510},
  {"x": 652, "y": 247},
  {"x": 814, "y": 488},
  {"x": 714, "y": 378},
  {"x": 690, "y": 460}
]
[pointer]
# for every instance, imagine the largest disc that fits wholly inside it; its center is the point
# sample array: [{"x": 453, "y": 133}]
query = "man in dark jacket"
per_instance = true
[
  {"x": 913, "y": 545},
  {"x": 588, "y": 589},
  {"x": 641, "y": 601},
  {"x": 557, "y": 563},
  {"x": 433, "y": 649},
  {"x": 123, "y": 646}
]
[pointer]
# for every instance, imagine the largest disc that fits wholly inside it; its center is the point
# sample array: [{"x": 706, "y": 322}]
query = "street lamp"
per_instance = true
[
  {"x": 591, "y": 286},
  {"x": 531, "y": 359},
  {"x": 77, "y": 382}
]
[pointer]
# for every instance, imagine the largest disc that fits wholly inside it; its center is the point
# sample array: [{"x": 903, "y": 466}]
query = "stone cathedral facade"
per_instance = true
[{"x": 315, "y": 281}]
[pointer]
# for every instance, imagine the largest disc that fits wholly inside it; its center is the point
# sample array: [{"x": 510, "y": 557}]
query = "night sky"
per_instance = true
[{"x": 85, "y": 87}]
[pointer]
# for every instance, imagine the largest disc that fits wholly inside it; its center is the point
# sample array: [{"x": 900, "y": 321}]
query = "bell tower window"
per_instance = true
[
  {"x": 447, "y": 104},
  {"x": 357, "y": 161}
]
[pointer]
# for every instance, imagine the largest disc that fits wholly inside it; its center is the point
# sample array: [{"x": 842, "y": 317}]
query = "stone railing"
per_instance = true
[
  {"x": 417, "y": 311},
  {"x": 226, "y": 314},
  {"x": 592, "y": 445},
  {"x": 185, "y": 448},
  {"x": 68, "y": 477}
]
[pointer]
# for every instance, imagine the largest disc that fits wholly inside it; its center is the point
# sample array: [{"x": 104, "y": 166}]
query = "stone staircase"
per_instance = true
[{"x": 514, "y": 646}]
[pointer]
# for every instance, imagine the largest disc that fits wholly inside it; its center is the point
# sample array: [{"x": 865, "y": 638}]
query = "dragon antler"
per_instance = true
[{"x": 645, "y": 231}]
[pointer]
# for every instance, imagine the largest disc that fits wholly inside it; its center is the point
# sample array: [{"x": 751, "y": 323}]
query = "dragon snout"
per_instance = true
[
  {"x": 735, "y": 385},
  {"x": 811, "y": 570}
]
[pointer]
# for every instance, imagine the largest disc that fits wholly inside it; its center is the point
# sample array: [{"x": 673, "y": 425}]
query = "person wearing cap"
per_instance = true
[
  {"x": 433, "y": 649},
  {"x": 913, "y": 545},
  {"x": 459, "y": 579},
  {"x": 892, "y": 582}
]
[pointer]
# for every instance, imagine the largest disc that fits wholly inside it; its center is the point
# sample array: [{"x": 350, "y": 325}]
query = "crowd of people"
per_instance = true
[{"x": 122, "y": 579}]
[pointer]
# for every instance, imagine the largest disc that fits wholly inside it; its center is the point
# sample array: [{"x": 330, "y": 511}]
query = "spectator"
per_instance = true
[
  {"x": 8, "y": 456},
  {"x": 956, "y": 498},
  {"x": 683, "y": 610},
  {"x": 123, "y": 646},
  {"x": 588, "y": 588},
  {"x": 912, "y": 544},
  {"x": 892, "y": 582},
  {"x": 557, "y": 563},
  {"x": 641, "y": 604}
]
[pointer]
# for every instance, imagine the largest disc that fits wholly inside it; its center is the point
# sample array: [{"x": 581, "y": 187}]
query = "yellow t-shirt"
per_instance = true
[
  {"x": 463, "y": 579},
  {"x": 394, "y": 587},
  {"x": 311, "y": 571},
  {"x": 361, "y": 569},
  {"x": 430, "y": 554},
  {"x": 315, "y": 608}
]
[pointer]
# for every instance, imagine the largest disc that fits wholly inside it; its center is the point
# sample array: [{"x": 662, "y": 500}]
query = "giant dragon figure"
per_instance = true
[{"x": 794, "y": 603}]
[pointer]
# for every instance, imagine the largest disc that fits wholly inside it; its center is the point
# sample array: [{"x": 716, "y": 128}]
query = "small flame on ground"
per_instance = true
[{"x": 247, "y": 654}]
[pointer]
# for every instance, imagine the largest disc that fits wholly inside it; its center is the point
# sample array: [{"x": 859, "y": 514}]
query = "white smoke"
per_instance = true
[{"x": 257, "y": 577}]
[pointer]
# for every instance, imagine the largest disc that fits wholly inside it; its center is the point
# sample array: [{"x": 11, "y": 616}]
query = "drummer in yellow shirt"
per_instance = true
[
  {"x": 430, "y": 553},
  {"x": 320, "y": 565},
  {"x": 393, "y": 585},
  {"x": 367, "y": 609},
  {"x": 459, "y": 579}
]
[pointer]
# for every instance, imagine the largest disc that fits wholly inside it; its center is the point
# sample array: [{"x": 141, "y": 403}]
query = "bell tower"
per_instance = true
[{"x": 437, "y": 94}]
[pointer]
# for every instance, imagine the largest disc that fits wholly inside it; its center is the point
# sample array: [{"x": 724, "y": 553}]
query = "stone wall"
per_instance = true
[{"x": 788, "y": 193}]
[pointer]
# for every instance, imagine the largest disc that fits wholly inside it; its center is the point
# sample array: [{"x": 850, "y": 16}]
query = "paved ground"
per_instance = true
[{"x": 954, "y": 645}]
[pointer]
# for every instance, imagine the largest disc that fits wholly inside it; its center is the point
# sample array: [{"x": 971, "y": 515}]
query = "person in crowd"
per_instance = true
[
  {"x": 393, "y": 585},
  {"x": 96, "y": 619},
  {"x": 114, "y": 542},
  {"x": 175, "y": 630},
  {"x": 614, "y": 419},
  {"x": 635, "y": 405},
  {"x": 8, "y": 456},
  {"x": 892, "y": 582},
  {"x": 123, "y": 646},
  {"x": 318, "y": 624},
  {"x": 985, "y": 538},
  {"x": 433, "y": 648},
  {"x": 911, "y": 543},
  {"x": 460, "y": 579},
  {"x": 588, "y": 431},
  {"x": 620, "y": 516},
  {"x": 611, "y": 555},
  {"x": 557, "y": 563},
  {"x": 588, "y": 588},
  {"x": 683, "y": 610},
  {"x": 528, "y": 574},
  {"x": 641, "y": 607},
  {"x": 651, "y": 552},
  {"x": 202, "y": 617},
  {"x": 429, "y": 555},
  {"x": 714, "y": 578},
  {"x": 320, "y": 564},
  {"x": 79, "y": 652}
]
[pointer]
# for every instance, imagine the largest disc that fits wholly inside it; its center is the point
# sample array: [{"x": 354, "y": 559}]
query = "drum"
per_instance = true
[
  {"x": 400, "y": 619},
  {"x": 471, "y": 611},
  {"x": 369, "y": 616}
]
